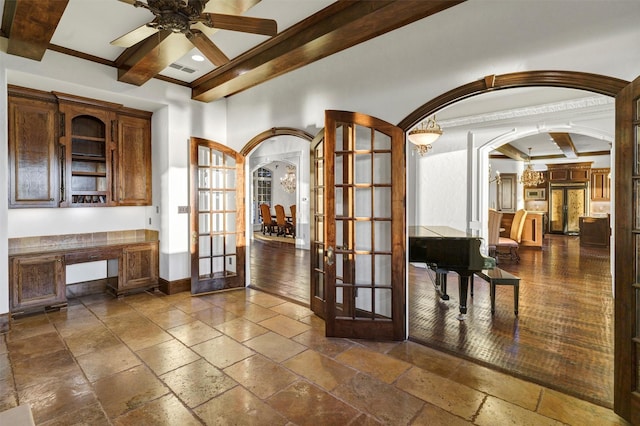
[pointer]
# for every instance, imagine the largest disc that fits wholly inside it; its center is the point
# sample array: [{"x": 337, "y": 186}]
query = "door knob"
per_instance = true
[{"x": 330, "y": 256}]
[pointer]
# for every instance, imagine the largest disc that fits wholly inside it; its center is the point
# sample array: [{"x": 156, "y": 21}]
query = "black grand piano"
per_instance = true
[{"x": 447, "y": 249}]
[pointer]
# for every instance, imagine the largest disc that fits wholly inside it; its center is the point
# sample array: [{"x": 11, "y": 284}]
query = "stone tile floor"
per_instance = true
[{"x": 249, "y": 358}]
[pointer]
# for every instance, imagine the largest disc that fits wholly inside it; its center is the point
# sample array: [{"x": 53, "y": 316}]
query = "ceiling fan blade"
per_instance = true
[
  {"x": 131, "y": 2},
  {"x": 207, "y": 48},
  {"x": 135, "y": 36},
  {"x": 245, "y": 24}
]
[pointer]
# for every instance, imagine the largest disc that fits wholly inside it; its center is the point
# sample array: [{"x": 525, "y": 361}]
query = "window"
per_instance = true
[{"x": 262, "y": 179}]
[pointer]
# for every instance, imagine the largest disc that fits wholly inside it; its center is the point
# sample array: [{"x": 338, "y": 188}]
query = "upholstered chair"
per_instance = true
[
  {"x": 268, "y": 224},
  {"x": 495, "y": 218},
  {"x": 512, "y": 244}
]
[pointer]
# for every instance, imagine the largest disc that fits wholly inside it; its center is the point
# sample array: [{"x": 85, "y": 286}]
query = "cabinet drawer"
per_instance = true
[{"x": 92, "y": 255}]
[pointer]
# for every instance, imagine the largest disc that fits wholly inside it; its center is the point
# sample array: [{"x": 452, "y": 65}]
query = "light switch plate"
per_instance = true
[{"x": 183, "y": 209}]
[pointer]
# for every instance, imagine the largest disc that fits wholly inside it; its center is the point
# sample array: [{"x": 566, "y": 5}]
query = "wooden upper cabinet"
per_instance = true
[
  {"x": 87, "y": 145},
  {"x": 600, "y": 184},
  {"x": 558, "y": 174},
  {"x": 70, "y": 151},
  {"x": 569, "y": 172},
  {"x": 134, "y": 160},
  {"x": 33, "y": 155}
]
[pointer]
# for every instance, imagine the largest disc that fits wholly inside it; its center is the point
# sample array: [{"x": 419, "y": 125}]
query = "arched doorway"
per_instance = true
[
  {"x": 285, "y": 151},
  {"x": 589, "y": 82}
]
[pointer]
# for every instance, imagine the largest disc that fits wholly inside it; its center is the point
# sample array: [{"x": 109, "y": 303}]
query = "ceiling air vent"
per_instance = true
[{"x": 182, "y": 68}]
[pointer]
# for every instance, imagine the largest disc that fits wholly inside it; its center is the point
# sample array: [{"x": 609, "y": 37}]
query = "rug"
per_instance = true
[{"x": 260, "y": 236}]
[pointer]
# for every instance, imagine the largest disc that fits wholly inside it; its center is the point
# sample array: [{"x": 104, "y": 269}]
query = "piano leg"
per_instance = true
[
  {"x": 441, "y": 283},
  {"x": 463, "y": 290}
]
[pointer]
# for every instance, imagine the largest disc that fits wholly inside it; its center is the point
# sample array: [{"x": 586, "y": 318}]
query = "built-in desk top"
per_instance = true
[{"x": 74, "y": 242}]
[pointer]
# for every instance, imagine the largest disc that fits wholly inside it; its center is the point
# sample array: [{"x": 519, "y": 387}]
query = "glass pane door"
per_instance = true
[
  {"x": 217, "y": 234},
  {"x": 364, "y": 228},
  {"x": 318, "y": 281},
  {"x": 627, "y": 254}
]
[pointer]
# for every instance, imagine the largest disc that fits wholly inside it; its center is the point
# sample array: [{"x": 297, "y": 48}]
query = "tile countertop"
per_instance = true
[{"x": 69, "y": 242}]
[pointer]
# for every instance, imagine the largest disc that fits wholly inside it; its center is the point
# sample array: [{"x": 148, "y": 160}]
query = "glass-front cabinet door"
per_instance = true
[{"x": 217, "y": 217}]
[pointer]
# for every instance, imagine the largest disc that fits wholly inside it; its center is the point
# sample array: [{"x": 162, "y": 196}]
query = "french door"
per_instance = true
[
  {"x": 627, "y": 254},
  {"x": 363, "y": 219},
  {"x": 317, "y": 292},
  {"x": 217, "y": 217}
]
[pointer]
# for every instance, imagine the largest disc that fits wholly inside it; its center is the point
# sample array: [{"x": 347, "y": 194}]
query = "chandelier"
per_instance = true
[
  {"x": 529, "y": 176},
  {"x": 424, "y": 135},
  {"x": 288, "y": 181}
]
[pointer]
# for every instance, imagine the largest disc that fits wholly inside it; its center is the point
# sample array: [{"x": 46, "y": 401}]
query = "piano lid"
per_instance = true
[{"x": 437, "y": 232}]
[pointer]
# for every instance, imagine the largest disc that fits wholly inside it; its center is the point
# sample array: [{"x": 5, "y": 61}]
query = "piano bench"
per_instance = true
[{"x": 497, "y": 276}]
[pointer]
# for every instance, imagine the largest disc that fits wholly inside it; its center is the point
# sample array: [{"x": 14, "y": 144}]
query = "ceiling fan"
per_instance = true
[{"x": 179, "y": 16}]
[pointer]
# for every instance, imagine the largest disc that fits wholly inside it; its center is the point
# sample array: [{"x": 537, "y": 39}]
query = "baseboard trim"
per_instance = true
[
  {"x": 5, "y": 324},
  {"x": 173, "y": 287}
]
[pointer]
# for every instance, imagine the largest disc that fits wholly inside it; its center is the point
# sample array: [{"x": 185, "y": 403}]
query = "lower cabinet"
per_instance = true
[
  {"x": 595, "y": 231},
  {"x": 533, "y": 231},
  {"x": 138, "y": 268},
  {"x": 37, "y": 283}
]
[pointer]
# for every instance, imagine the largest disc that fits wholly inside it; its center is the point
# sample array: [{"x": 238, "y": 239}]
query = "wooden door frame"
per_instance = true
[{"x": 604, "y": 85}]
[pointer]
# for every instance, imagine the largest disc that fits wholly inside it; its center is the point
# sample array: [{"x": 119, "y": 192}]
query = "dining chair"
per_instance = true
[
  {"x": 268, "y": 225},
  {"x": 284, "y": 227},
  {"x": 292, "y": 208}
]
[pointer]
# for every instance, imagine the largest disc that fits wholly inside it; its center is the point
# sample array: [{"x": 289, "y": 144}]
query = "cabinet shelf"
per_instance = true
[
  {"x": 89, "y": 174},
  {"x": 88, "y": 138},
  {"x": 85, "y": 157},
  {"x": 90, "y": 193}
]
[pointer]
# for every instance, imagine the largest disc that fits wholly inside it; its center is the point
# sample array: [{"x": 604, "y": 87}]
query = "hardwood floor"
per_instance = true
[
  {"x": 562, "y": 338},
  {"x": 281, "y": 269}
]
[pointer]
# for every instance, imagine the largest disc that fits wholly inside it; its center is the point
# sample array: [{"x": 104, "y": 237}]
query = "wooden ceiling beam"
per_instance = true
[
  {"x": 512, "y": 152},
  {"x": 564, "y": 142},
  {"x": 339, "y": 26},
  {"x": 29, "y": 25},
  {"x": 145, "y": 60}
]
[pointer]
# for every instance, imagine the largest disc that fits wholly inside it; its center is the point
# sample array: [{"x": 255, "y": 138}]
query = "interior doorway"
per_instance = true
[
  {"x": 459, "y": 334},
  {"x": 278, "y": 165}
]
